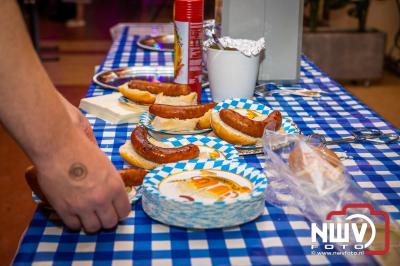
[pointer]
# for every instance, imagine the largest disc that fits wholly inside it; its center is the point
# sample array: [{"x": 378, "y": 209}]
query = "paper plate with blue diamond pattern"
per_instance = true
[
  {"x": 204, "y": 194},
  {"x": 256, "y": 109}
]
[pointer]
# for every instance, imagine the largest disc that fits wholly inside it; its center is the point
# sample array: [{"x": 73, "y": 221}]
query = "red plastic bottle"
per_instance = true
[{"x": 188, "y": 24}]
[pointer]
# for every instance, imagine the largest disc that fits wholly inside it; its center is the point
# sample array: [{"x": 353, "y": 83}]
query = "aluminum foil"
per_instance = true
[{"x": 246, "y": 47}]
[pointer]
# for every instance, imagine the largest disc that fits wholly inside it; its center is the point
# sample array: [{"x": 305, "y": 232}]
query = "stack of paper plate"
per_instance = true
[{"x": 204, "y": 194}]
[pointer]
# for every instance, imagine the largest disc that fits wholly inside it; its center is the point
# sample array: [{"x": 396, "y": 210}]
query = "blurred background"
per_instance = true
[{"x": 72, "y": 38}]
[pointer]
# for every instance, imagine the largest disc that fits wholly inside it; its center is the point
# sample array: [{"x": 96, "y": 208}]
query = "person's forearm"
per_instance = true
[
  {"x": 76, "y": 177},
  {"x": 30, "y": 108}
]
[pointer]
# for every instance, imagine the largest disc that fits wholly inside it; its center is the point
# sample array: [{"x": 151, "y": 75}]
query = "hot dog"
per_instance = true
[
  {"x": 130, "y": 177},
  {"x": 189, "y": 117},
  {"x": 180, "y": 112},
  {"x": 153, "y": 153},
  {"x": 138, "y": 96},
  {"x": 251, "y": 127},
  {"x": 146, "y": 92},
  {"x": 235, "y": 128},
  {"x": 168, "y": 89}
]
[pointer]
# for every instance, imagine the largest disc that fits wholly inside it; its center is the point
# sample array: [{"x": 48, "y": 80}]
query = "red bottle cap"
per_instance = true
[{"x": 189, "y": 10}]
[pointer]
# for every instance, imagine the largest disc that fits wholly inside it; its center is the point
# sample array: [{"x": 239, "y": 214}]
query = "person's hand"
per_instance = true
[
  {"x": 78, "y": 119},
  {"x": 82, "y": 185},
  {"x": 81, "y": 122}
]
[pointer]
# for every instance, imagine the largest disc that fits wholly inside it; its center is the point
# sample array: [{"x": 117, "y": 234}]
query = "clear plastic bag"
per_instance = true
[{"x": 304, "y": 174}]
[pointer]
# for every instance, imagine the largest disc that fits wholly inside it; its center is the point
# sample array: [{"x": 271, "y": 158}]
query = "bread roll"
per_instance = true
[
  {"x": 138, "y": 96},
  {"x": 175, "y": 124},
  {"x": 145, "y": 97},
  {"x": 230, "y": 134},
  {"x": 132, "y": 157},
  {"x": 307, "y": 160},
  {"x": 205, "y": 121},
  {"x": 189, "y": 99}
]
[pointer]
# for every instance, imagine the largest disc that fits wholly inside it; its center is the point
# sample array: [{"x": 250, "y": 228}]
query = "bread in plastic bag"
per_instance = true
[{"x": 304, "y": 174}]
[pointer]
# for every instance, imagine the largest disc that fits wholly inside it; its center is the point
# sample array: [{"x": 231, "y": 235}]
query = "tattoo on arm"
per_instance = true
[{"x": 77, "y": 171}]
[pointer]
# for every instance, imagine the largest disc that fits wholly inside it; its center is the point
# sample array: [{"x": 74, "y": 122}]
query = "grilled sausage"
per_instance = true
[
  {"x": 157, "y": 154},
  {"x": 180, "y": 112},
  {"x": 31, "y": 178},
  {"x": 248, "y": 126},
  {"x": 168, "y": 89},
  {"x": 132, "y": 177}
]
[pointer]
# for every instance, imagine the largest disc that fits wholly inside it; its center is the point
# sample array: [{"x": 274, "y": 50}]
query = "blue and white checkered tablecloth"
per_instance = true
[{"x": 279, "y": 236}]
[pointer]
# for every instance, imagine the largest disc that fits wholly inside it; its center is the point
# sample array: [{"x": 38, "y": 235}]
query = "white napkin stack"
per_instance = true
[{"x": 108, "y": 107}]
